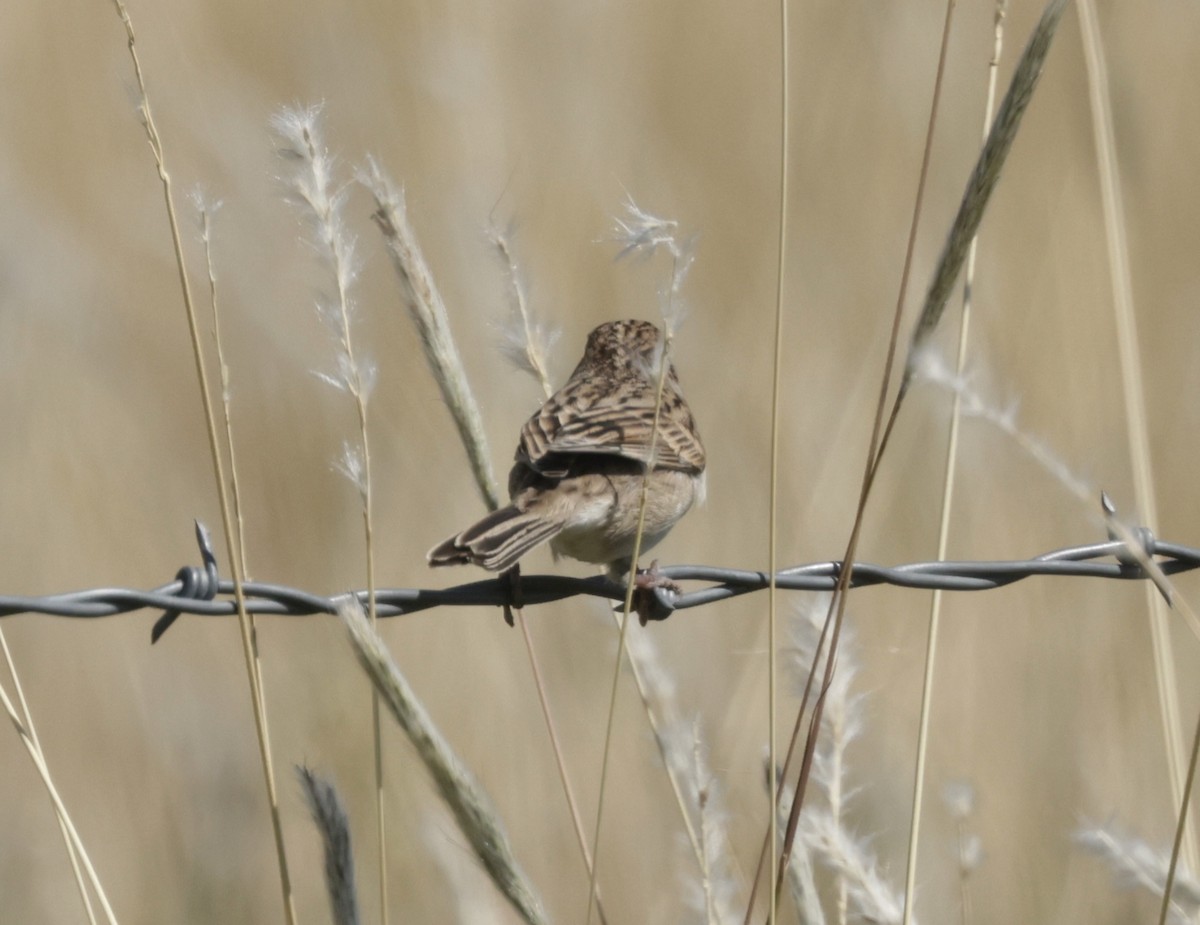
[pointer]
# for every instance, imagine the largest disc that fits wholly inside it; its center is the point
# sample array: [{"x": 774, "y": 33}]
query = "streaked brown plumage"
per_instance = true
[{"x": 580, "y": 462}]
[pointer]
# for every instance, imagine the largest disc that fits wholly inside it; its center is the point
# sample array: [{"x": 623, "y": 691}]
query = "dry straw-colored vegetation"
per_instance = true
[{"x": 520, "y": 130}]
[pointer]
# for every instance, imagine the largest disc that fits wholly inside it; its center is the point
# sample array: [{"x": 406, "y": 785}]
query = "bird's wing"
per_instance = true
[{"x": 616, "y": 421}]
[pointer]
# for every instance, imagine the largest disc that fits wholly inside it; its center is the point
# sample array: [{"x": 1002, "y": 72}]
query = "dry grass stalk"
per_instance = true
[
  {"x": 75, "y": 849},
  {"x": 1134, "y": 395},
  {"x": 948, "y": 480},
  {"x": 841, "y": 720},
  {"x": 1181, "y": 826},
  {"x": 932, "y": 369},
  {"x": 474, "y": 897},
  {"x": 428, "y": 312},
  {"x": 312, "y": 188},
  {"x": 248, "y": 650},
  {"x": 972, "y": 403},
  {"x": 1138, "y": 554},
  {"x": 641, "y": 233},
  {"x": 334, "y": 826},
  {"x": 559, "y": 759},
  {"x": 799, "y": 875},
  {"x": 785, "y": 147},
  {"x": 672, "y": 734},
  {"x": 472, "y": 810},
  {"x": 860, "y": 891},
  {"x": 1135, "y": 864},
  {"x": 983, "y": 178},
  {"x": 870, "y": 898},
  {"x": 880, "y": 434},
  {"x": 205, "y": 209},
  {"x": 524, "y": 340},
  {"x": 717, "y": 886},
  {"x": 527, "y": 344}
]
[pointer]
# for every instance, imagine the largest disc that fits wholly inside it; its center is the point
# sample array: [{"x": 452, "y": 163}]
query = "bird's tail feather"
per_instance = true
[{"x": 497, "y": 541}]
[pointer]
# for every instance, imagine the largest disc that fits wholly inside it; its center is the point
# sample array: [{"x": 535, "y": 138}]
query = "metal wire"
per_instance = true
[{"x": 201, "y": 592}]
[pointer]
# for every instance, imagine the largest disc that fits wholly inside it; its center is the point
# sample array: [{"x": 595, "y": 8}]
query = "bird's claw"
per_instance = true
[{"x": 646, "y": 603}]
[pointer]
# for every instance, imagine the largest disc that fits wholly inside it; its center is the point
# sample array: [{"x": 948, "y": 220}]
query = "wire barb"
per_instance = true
[
  {"x": 1142, "y": 538},
  {"x": 201, "y": 585}
]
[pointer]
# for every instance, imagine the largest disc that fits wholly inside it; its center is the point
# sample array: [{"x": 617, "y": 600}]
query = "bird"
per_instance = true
[{"x": 581, "y": 461}]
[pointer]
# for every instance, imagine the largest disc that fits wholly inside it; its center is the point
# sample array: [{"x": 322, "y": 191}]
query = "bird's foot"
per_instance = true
[
  {"x": 646, "y": 603},
  {"x": 515, "y": 601}
]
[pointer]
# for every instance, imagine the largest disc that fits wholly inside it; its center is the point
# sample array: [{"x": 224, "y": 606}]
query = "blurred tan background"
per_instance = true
[{"x": 546, "y": 115}]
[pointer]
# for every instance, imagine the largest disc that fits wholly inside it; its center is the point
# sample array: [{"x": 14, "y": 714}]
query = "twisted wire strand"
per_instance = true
[{"x": 199, "y": 591}]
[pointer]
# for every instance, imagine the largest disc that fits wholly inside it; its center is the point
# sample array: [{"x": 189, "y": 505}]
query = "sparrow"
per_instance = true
[{"x": 581, "y": 461}]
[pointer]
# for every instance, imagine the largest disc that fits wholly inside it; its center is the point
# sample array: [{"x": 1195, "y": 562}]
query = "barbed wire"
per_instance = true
[{"x": 200, "y": 591}]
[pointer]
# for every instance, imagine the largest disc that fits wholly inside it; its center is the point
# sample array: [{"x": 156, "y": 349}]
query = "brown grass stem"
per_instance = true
[
  {"x": 424, "y": 302},
  {"x": 773, "y": 501},
  {"x": 34, "y": 748},
  {"x": 312, "y": 188},
  {"x": 948, "y": 479},
  {"x": 641, "y": 231},
  {"x": 1179, "y": 602},
  {"x": 23, "y": 722},
  {"x": 428, "y": 312},
  {"x": 526, "y": 343},
  {"x": 800, "y": 876},
  {"x": 1133, "y": 393},
  {"x": 631, "y": 584},
  {"x": 879, "y": 438},
  {"x": 258, "y": 705},
  {"x": 1181, "y": 826},
  {"x": 979, "y": 189},
  {"x": 529, "y": 351},
  {"x": 472, "y": 810},
  {"x": 860, "y": 890},
  {"x": 560, "y": 761},
  {"x": 205, "y": 211},
  {"x": 659, "y": 714}
]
